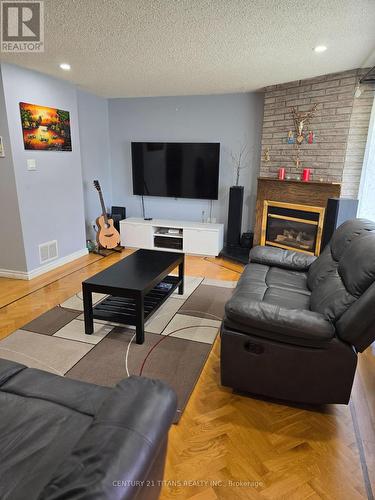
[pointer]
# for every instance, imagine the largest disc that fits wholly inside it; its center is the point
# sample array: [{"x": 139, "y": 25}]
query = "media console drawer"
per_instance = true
[
  {"x": 136, "y": 235},
  {"x": 197, "y": 239}
]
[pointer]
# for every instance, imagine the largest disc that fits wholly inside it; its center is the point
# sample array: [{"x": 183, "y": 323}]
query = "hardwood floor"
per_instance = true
[
  {"x": 229, "y": 446},
  {"x": 11, "y": 289}
]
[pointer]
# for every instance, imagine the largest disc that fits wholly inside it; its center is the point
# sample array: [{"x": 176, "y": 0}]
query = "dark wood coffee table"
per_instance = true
[{"x": 137, "y": 286}]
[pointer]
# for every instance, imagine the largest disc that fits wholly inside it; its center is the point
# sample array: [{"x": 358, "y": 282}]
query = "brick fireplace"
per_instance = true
[{"x": 340, "y": 127}]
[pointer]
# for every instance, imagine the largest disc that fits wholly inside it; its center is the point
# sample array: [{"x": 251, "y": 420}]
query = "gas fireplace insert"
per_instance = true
[{"x": 292, "y": 226}]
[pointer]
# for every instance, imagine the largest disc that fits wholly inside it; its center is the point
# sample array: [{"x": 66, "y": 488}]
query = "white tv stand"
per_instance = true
[{"x": 172, "y": 236}]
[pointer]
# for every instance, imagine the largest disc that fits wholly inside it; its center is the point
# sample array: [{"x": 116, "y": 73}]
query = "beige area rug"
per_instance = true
[{"x": 178, "y": 340}]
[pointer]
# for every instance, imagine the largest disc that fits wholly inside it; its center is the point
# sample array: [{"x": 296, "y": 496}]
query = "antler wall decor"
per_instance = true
[{"x": 301, "y": 121}]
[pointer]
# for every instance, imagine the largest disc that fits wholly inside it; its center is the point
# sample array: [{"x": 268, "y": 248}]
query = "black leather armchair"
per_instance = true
[
  {"x": 295, "y": 323},
  {"x": 64, "y": 439}
]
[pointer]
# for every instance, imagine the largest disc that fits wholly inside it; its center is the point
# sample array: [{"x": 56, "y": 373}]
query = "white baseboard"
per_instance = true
[
  {"x": 17, "y": 275},
  {"x": 29, "y": 275}
]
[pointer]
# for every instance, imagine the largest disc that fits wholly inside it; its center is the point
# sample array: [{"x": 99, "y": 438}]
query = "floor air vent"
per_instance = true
[{"x": 48, "y": 251}]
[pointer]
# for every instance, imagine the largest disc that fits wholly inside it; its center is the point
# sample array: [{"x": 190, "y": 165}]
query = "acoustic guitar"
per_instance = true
[{"x": 107, "y": 236}]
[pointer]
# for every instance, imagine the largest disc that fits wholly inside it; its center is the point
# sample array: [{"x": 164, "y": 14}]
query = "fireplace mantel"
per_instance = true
[
  {"x": 297, "y": 181},
  {"x": 292, "y": 191}
]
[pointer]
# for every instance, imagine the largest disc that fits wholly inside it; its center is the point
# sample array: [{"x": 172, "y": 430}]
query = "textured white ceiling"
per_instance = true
[{"x": 121, "y": 48}]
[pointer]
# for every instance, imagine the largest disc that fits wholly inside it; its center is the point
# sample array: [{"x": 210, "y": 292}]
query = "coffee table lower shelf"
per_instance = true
[{"x": 123, "y": 309}]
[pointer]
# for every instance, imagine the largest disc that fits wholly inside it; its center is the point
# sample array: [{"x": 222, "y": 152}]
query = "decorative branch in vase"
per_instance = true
[
  {"x": 236, "y": 197},
  {"x": 240, "y": 161}
]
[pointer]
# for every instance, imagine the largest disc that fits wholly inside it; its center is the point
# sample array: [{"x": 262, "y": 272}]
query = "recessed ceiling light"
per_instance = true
[
  {"x": 65, "y": 66},
  {"x": 320, "y": 48}
]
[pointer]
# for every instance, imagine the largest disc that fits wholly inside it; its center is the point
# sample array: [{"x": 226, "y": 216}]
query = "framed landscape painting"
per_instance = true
[{"x": 45, "y": 129}]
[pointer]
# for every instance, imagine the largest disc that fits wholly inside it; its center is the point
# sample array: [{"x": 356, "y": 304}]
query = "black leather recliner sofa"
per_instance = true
[
  {"x": 64, "y": 439},
  {"x": 295, "y": 323}
]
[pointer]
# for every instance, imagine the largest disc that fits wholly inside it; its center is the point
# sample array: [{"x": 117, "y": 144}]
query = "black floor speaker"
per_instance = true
[
  {"x": 338, "y": 211},
  {"x": 117, "y": 214},
  {"x": 235, "y": 216}
]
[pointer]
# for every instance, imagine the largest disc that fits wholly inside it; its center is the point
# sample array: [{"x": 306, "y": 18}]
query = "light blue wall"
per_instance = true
[
  {"x": 50, "y": 198},
  {"x": 58, "y": 200},
  {"x": 231, "y": 119},
  {"x": 12, "y": 252},
  {"x": 95, "y": 154}
]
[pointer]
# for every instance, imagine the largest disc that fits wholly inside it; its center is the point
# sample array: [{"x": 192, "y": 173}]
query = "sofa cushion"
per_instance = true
[
  {"x": 255, "y": 274},
  {"x": 296, "y": 326},
  {"x": 321, "y": 268},
  {"x": 347, "y": 233},
  {"x": 342, "y": 238},
  {"x": 123, "y": 441},
  {"x": 330, "y": 297},
  {"x": 288, "y": 299},
  {"x": 342, "y": 281},
  {"x": 287, "y": 279},
  {"x": 260, "y": 282},
  {"x": 40, "y": 411},
  {"x": 36, "y": 437},
  {"x": 357, "y": 266},
  {"x": 37, "y": 384},
  {"x": 276, "y": 301},
  {"x": 338, "y": 284}
]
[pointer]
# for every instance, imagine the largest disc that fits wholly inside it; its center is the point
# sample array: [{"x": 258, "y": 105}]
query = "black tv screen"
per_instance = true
[{"x": 176, "y": 169}]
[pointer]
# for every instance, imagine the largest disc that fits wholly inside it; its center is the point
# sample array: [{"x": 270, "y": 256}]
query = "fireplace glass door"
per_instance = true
[
  {"x": 294, "y": 227},
  {"x": 294, "y": 234}
]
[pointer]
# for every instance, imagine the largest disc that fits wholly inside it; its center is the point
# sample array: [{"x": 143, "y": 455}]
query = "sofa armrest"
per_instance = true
[
  {"x": 120, "y": 446},
  {"x": 288, "y": 259}
]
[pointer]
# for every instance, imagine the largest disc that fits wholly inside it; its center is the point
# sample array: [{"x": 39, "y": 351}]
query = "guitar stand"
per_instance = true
[{"x": 105, "y": 252}]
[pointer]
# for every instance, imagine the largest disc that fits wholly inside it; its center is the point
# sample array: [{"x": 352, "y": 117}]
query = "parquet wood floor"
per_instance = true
[{"x": 230, "y": 446}]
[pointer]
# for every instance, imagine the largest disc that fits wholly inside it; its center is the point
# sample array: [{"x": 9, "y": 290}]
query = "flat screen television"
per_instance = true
[{"x": 176, "y": 169}]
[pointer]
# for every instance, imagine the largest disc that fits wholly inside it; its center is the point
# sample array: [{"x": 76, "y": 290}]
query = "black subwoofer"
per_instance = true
[
  {"x": 117, "y": 214},
  {"x": 338, "y": 211}
]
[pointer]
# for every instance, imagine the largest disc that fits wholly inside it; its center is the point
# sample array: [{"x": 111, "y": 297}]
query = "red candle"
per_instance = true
[
  {"x": 306, "y": 174},
  {"x": 281, "y": 173}
]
